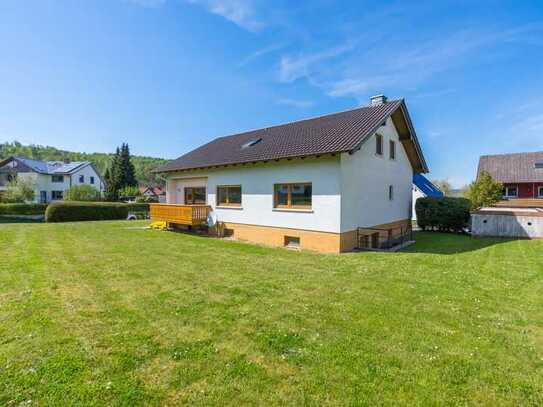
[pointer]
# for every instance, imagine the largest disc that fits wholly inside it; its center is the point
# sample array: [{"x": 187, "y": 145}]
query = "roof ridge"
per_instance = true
[
  {"x": 308, "y": 118},
  {"x": 506, "y": 154}
]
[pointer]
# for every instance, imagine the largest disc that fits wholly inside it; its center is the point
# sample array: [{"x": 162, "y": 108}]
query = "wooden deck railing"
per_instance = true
[
  {"x": 191, "y": 215},
  {"x": 521, "y": 203}
]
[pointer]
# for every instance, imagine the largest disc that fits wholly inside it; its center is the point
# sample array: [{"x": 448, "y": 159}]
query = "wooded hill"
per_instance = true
[{"x": 143, "y": 165}]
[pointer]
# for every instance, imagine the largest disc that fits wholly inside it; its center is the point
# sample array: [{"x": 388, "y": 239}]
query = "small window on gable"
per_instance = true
[
  {"x": 392, "y": 150},
  {"x": 81, "y": 179},
  {"x": 378, "y": 144},
  {"x": 91, "y": 180},
  {"x": 390, "y": 192}
]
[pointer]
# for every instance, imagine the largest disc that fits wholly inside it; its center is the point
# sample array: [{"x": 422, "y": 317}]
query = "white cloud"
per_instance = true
[
  {"x": 259, "y": 53},
  {"x": 239, "y": 12},
  {"x": 296, "y": 103},
  {"x": 303, "y": 65}
]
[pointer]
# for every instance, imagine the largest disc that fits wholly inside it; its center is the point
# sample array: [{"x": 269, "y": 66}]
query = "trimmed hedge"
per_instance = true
[
  {"x": 70, "y": 211},
  {"x": 443, "y": 214},
  {"x": 22, "y": 209}
]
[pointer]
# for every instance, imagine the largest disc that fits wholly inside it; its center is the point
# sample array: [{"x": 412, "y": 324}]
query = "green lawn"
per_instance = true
[{"x": 108, "y": 313}]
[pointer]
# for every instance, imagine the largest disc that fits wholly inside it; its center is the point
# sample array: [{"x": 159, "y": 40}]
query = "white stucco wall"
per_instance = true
[
  {"x": 257, "y": 181},
  {"x": 87, "y": 171},
  {"x": 365, "y": 181}
]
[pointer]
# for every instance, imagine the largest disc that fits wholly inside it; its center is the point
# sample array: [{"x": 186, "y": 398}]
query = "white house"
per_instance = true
[
  {"x": 50, "y": 178},
  {"x": 331, "y": 183}
]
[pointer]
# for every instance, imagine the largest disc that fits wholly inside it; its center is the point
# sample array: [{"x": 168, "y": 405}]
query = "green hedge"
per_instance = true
[
  {"x": 22, "y": 209},
  {"x": 81, "y": 211},
  {"x": 444, "y": 214}
]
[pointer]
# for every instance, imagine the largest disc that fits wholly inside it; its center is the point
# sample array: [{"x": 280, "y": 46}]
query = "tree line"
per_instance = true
[{"x": 143, "y": 165}]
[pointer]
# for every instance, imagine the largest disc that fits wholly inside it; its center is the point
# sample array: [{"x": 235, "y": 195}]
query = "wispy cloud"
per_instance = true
[
  {"x": 302, "y": 65},
  {"x": 260, "y": 53},
  {"x": 296, "y": 103},
  {"x": 239, "y": 12}
]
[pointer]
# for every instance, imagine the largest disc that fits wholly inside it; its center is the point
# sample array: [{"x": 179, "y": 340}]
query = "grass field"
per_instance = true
[{"x": 109, "y": 313}]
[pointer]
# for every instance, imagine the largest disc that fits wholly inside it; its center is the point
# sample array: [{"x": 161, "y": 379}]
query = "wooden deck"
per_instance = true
[
  {"x": 520, "y": 203},
  {"x": 190, "y": 215}
]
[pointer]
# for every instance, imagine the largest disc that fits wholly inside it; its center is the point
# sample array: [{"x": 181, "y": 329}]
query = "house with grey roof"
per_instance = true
[
  {"x": 50, "y": 178},
  {"x": 331, "y": 183},
  {"x": 520, "y": 173}
]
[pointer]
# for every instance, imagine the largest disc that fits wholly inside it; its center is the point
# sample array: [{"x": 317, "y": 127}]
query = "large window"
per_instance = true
[
  {"x": 378, "y": 144},
  {"x": 56, "y": 195},
  {"x": 195, "y": 195},
  {"x": 229, "y": 195},
  {"x": 510, "y": 192},
  {"x": 57, "y": 178},
  {"x": 297, "y": 196}
]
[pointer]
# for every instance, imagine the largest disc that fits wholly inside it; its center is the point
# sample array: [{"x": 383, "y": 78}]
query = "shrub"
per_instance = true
[
  {"x": 81, "y": 211},
  {"x": 82, "y": 193},
  {"x": 444, "y": 214},
  {"x": 138, "y": 207},
  {"x": 22, "y": 209},
  {"x": 19, "y": 190},
  {"x": 484, "y": 192}
]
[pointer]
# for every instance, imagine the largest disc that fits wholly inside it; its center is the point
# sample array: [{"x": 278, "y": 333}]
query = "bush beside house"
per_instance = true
[
  {"x": 83, "y": 211},
  {"x": 82, "y": 193},
  {"x": 443, "y": 214}
]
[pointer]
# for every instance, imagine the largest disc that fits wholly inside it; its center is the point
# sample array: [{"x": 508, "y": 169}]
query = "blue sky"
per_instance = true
[{"x": 169, "y": 75}]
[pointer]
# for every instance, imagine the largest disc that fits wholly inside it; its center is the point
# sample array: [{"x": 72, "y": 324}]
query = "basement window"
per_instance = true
[
  {"x": 251, "y": 143},
  {"x": 292, "y": 242}
]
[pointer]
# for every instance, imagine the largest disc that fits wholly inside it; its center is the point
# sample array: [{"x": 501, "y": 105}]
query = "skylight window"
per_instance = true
[{"x": 251, "y": 143}]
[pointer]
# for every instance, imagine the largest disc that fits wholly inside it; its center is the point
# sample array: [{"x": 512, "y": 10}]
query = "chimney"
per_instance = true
[{"x": 378, "y": 100}]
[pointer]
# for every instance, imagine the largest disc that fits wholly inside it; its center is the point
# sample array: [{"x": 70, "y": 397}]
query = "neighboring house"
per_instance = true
[
  {"x": 422, "y": 188},
  {"x": 154, "y": 192},
  {"x": 521, "y": 173},
  {"x": 331, "y": 183},
  {"x": 51, "y": 178}
]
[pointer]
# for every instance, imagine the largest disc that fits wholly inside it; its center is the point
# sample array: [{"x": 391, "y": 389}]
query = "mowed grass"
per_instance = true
[{"x": 106, "y": 313}]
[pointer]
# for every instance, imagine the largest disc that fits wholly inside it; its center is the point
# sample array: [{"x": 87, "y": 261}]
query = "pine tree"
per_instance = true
[{"x": 128, "y": 170}]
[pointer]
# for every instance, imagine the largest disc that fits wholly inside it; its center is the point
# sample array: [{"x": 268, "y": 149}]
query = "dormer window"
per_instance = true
[{"x": 251, "y": 143}]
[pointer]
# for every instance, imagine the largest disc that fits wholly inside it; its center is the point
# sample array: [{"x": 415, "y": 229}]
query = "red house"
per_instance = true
[{"x": 521, "y": 174}]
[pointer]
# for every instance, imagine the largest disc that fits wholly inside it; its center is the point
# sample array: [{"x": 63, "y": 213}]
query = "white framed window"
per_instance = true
[
  {"x": 57, "y": 178},
  {"x": 540, "y": 192},
  {"x": 81, "y": 179},
  {"x": 510, "y": 192},
  {"x": 91, "y": 180},
  {"x": 391, "y": 192},
  {"x": 57, "y": 195}
]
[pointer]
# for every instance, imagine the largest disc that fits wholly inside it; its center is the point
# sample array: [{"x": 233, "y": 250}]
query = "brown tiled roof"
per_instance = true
[
  {"x": 333, "y": 133},
  {"x": 512, "y": 168}
]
